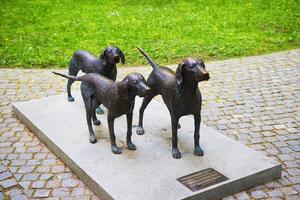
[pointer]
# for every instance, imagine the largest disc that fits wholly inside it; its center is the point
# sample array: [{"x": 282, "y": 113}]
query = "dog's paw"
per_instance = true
[
  {"x": 178, "y": 126},
  {"x": 96, "y": 122},
  {"x": 115, "y": 149},
  {"x": 140, "y": 131},
  {"x": 70, "y": 99},
  {"x": 198, "y": 151},
  {"x": 131, "y": 146},
  {"x": 99, "y": 111},
  {"x": 93, "y": 139},
  {"x": 176, "y": 153}
]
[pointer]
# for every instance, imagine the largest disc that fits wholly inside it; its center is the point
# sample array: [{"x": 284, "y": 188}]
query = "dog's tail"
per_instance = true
[
  {"x": 152, "y": 62},
  {"x": 78, "y": 78}
]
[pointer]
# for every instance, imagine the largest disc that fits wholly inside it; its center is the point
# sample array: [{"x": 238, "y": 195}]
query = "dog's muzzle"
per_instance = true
[
  {"x": 144, "y": 89},
  {"x": 116, "y": 59},
  {"x": 206, "y": 76}
]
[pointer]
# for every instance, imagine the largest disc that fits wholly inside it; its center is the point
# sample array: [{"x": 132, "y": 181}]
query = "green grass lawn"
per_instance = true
[{"x": 46, "y": 33}]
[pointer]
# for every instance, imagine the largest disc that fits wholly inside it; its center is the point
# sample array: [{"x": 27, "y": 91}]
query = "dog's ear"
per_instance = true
[
  {"x": 201, "y": 63},
  {"x": 178, "y": 75},
  {"x": 121, "y": 54},
  {"x": 126, "y": 84},
  {"x": 103, "y": 55}
]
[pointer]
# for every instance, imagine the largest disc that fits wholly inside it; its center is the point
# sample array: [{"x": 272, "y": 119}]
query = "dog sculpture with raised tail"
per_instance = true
[
  {"x": 180, "y": 93},
  {"x": 117, "y": 97}
]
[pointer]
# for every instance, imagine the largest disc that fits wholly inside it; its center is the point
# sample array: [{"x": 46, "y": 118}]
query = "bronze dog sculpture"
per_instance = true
[
  {"x": 180, "y": 93},
  {"x": 104, "y": 65},
  {"x": 117, "y": 97}
]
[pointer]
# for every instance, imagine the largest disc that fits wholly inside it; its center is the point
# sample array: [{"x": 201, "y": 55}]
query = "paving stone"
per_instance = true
[
  {"x": 40, "y": 156},
  {"x": 294, "y": 172},
  {"x": 284, "y": 181},
  {"x": 1, "y": 195},
  {"x": 242, "y": 196},
  {"x": 7, "y": 183},
  {"x": 58, "y": 168},
  {"x": 46, "y": 177},
  {"x": 14, "y": 192},
  {"x": 229, "y": 198},
  {"x": 53, "y": 183},
  {"x": 24, "y": 184},
  {"x": 26, "y": 169},
  {"x": 43, "y": 169},
  {"x": 2, "y": 168},
  {"x": 285, "y": 157},
  {"x": 293, "y": 197},
  {"x": 87, "y": 191},
  {"x": 49, "y": 162},
  {"x": 18, "y": 162},
  {"x": 12, "y": 156},
  {"x": 41, "y": 193},
  {"x": 69, "y": 183},
  {"x": 61, "y": 192},
  {"x": 25, "y": 156},
  {"x": 94, "y": 197},
  {"x": 78, "y": 192},
  {"x": 297, "y": 187},
  {"x": 295, "y": 179},
  {"x": 288, "y": 190},
  {"x": 28, "y": 193},
  {"x": 64, "y": 175},
  {"x": 285, "y": 150},
  {"x": 258, "y": 194},
  {"x": 296, "y": 148},
  {"x": 275, "y": 193},
  {"x": 19, "y": 197},
  {"x": 5, "y": 175},
  {"x": 33, "y": 162},
  {"x": 38, "y": 184},
  {"x": 30, "y": 177},
  {"x": 18, "y": 176}
]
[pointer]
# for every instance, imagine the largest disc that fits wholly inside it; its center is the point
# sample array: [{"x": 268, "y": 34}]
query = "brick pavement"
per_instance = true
[{"x": 254, "y": 100}]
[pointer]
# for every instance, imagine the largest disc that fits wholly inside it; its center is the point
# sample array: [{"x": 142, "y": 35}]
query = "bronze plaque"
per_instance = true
[{"x": 202, "y": 179}]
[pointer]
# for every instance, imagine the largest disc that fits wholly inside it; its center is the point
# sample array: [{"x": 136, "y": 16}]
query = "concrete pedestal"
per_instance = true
[{"x": 150, "y": 172}]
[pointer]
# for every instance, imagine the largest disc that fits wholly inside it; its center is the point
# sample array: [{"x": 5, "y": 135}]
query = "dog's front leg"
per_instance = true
[
  {"x": 115, "y": 149},
  {"x": 129, "y": 143},
  {"x": 175, "y": 151},
  {"x": 140, "y": 129},
  {"x": 197, "y": 149}
]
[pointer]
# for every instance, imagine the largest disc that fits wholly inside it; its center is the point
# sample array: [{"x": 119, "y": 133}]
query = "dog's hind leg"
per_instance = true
[
  {"x": 140, "y": 129},
  {"x": 178, "y": 126},
  {"x": 87, "y": 96},
  {"x": 99, "y": 110},
  {"x": 95, "y": 105},
  {"x": 73, "y": 71},
  {"x": 88, "y": 108}
]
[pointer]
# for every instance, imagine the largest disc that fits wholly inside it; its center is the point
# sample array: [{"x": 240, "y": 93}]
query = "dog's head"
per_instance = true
[
  {"x": 191, "y": 70},
  {"x": 137, "y": 84},
  {"x": 113, "y": 55}
]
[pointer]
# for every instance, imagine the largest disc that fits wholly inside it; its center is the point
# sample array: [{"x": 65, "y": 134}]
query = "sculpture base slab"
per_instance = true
[{"x": 150, "y": 172}]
